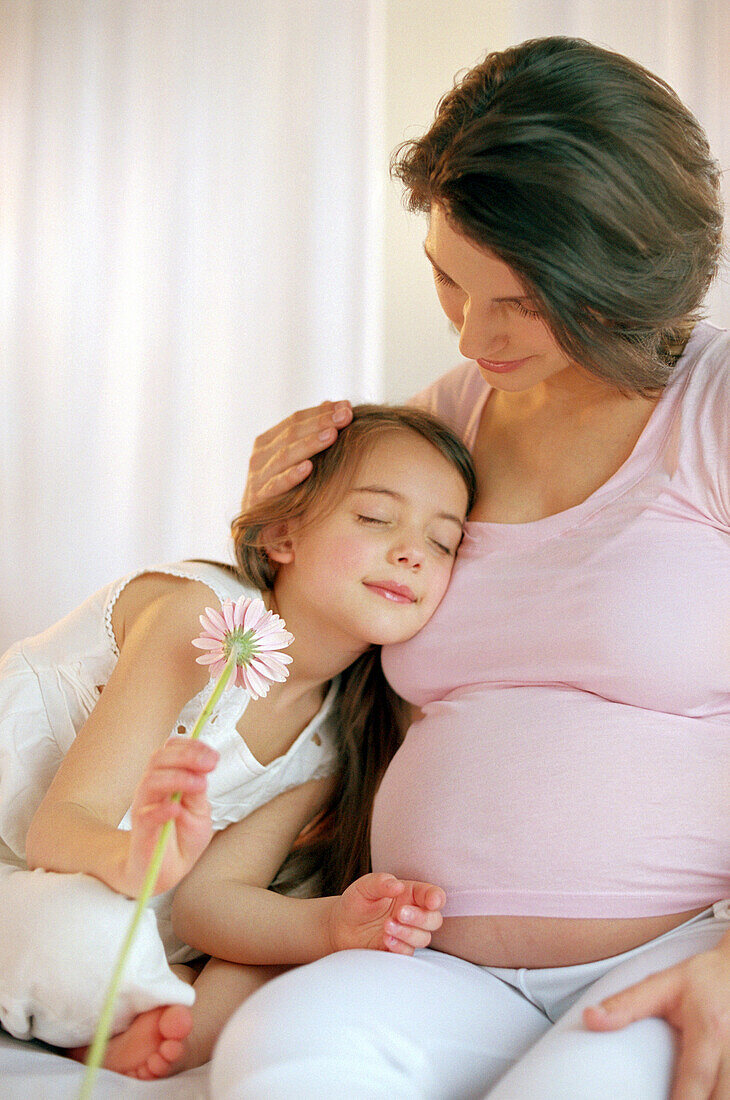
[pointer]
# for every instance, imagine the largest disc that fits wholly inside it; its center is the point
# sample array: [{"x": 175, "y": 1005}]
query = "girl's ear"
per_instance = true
[{"x": 278, "y": 542}]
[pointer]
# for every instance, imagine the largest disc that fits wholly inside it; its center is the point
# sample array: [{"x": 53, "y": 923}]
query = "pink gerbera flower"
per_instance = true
[{"x": 254, "y": 636}]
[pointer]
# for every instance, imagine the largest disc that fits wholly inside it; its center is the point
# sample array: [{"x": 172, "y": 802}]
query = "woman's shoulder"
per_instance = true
[{"x": 704, "y": 373}]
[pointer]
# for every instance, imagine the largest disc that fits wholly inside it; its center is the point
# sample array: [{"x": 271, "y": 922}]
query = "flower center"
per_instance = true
[{"x": 242, "y": 643}]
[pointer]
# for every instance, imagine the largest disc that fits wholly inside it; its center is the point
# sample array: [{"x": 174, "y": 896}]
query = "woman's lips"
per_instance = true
[
  {"x": 503, "y": 367},
  {"x": 399, "y": 593}
]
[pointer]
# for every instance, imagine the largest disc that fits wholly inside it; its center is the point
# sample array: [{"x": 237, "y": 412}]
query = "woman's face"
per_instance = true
[{"x": 497, "y": 321}]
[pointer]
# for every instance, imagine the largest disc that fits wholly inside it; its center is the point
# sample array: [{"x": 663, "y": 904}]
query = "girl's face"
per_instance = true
[
  {"x": 374, "y": 570},
  {"x": 497, "y": 322}
]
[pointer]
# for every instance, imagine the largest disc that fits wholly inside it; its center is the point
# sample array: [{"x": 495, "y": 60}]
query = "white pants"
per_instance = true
[
  {"x": 60, "y": 936},
  {"x": 368, "y": 1025}
]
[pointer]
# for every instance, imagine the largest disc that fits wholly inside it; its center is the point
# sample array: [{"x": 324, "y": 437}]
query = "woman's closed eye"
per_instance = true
[
  {"x": 521, "y": 308},
  {"x": 441, "y": 278}
]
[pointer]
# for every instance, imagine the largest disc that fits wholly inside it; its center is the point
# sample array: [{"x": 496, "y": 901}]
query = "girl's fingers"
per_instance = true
[
  {"x": 182, "y": 752},
  {"x": 406, "y": 936},
  {"x": 380, "y": 884},
  {"x": 162, "y": 783},
  {"x": 428, "y": 896},
  {"x": 411, "y": 917}
]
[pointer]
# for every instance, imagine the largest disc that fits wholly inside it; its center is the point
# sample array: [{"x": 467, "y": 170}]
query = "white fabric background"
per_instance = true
[
  {"x": 187, "y": 245},
  {"x": 197, "y": 237}
]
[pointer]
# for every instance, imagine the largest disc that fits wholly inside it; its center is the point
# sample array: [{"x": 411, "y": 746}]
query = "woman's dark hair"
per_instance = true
[
  {"x": 585, "y": 174},
  {"x": 368, "y": 718}
]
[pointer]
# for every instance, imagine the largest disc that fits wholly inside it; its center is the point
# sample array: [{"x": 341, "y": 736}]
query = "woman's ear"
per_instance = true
[{"x": 278, "y": 543}]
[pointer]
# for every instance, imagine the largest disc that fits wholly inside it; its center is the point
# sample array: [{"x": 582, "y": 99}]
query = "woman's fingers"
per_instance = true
[
  {"x": 281, "y": 456},
  {"x": 304, "y": 423},
  {"x": 696, "y": 1069}
]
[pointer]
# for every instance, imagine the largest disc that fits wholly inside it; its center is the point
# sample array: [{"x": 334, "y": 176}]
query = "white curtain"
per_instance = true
[{"x": 189, "y": 243}]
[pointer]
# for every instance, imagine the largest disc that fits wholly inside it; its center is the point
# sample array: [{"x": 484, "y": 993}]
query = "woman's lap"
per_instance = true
[{"x": 369, "y": 1025}]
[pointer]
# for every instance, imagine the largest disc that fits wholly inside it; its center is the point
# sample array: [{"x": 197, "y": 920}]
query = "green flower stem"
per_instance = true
[{"x": 101, "y": 1037}]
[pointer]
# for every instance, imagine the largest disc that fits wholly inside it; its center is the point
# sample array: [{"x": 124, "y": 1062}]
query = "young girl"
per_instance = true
[{"x": 357, "y": 557}]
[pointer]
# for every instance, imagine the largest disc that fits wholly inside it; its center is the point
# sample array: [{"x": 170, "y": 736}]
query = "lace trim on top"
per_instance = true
[{"x": 194, "y": 573}]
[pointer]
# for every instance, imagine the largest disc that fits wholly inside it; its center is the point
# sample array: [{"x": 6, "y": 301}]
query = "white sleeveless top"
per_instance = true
[{"x": 49, "y": 684}]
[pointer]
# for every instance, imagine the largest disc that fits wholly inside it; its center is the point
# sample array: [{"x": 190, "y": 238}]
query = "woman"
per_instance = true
[{"x": 565, "y": 780}]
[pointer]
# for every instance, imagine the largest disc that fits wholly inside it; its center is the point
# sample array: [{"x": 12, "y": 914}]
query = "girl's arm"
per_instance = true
[
  {"x": 224, "y": 909},
  {"x": 75, "y": 826}
]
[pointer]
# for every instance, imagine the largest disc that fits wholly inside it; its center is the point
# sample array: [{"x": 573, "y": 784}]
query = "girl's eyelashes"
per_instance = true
[
  {"x": 443, "y": 549},
  {"x": 376, "y": 521},
  {"x": 373, "y": 520}
]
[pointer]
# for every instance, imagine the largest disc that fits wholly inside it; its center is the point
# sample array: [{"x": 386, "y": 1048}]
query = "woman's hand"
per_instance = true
[
  {"x": 281, "y": 456},
  {"x": 383, "y": 913},
  {"x": 180, "y": 765},
  {"x": 694, "y": 997}
]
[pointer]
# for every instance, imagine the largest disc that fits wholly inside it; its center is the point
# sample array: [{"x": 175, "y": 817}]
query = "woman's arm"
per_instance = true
[
  {"x": 224, "y": 909},
  {"x": 75, "y": 826}
]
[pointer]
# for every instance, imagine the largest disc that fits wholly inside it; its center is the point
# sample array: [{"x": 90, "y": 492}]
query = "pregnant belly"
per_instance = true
[{"x": 537, "y": 942}]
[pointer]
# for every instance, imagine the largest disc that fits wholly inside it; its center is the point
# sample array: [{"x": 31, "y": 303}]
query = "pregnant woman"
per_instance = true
[{"x": 566, "y": 775}]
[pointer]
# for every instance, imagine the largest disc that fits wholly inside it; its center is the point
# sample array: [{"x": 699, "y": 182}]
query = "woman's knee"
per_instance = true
[
  {"x": 574, "y": 1064},
  {"x": 317, "y": 1026}
]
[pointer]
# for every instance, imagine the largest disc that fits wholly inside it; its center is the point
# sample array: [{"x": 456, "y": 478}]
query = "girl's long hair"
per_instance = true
[{"x": 368, "y": 719}]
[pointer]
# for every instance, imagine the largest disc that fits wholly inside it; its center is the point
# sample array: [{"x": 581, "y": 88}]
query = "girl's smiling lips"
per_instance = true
[{"x": 400, "y": 593}]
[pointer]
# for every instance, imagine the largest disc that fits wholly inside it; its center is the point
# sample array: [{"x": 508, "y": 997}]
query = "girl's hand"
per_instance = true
[
  {"x": 180, "y": 765},
  {"x": 384, "y": 913},
  {"x": 694, "y": 997},
  {"x": 280, "y": 457}
]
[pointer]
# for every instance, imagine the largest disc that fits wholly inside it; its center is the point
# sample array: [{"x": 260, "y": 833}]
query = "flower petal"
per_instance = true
[
  {"x": 227, "y": 611},
  {"x": 212, "y": 620},
  {"x": 206, "y": 642},
  {"x": 208, "y": 658}
]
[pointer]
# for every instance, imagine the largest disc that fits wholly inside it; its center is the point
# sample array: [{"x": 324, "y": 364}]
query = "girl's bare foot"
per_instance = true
[{"x": 150, "y": 1046}]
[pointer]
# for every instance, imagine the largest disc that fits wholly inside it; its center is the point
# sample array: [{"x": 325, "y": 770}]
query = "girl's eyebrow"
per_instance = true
[
  {"x": 509, "y": 298},
  {"x": 381, "y": 490}
]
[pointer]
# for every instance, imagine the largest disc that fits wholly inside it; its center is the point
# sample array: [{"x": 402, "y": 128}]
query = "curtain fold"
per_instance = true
[{"x": 185, "y": 237}]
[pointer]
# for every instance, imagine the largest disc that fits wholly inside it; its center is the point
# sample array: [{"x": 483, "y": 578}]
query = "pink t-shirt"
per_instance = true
[{"x": 574, "y": 755}]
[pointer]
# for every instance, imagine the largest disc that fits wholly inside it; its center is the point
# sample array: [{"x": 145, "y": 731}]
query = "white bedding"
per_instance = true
[{"x": 29, "y": 1071}]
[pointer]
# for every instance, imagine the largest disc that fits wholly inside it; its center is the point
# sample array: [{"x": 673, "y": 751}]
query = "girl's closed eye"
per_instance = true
[
  {"x": 444, "y": 548},
  {"x": 373, "y": 521}
]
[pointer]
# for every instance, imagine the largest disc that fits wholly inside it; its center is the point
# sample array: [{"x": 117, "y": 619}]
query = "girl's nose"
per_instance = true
[
  {"x": 410, "y": 554},
  {"x": 481, "y": 334}
]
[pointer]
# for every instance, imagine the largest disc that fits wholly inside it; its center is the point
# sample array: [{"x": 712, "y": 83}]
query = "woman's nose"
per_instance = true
[{"x": 482, "y": 333}]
